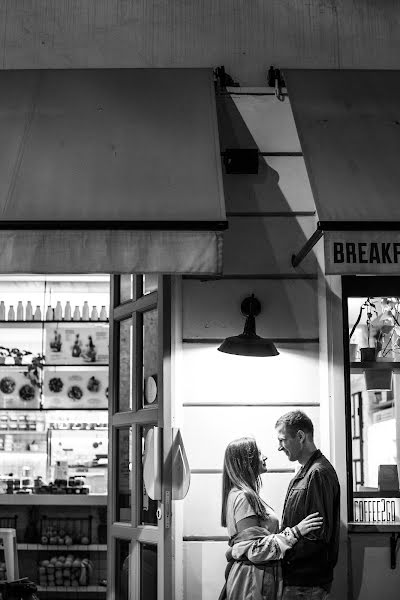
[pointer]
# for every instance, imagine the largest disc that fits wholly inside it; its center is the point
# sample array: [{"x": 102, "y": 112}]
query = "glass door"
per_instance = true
[{"x": 140, "y": 479}]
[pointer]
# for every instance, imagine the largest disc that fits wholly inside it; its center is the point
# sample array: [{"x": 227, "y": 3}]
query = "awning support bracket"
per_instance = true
[
  {"x": 341, "y": 226},
  {"x": 308, "y": 246}
]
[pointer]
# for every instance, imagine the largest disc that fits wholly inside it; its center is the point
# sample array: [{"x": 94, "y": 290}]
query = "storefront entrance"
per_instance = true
[{"x": 141, "y": 523}]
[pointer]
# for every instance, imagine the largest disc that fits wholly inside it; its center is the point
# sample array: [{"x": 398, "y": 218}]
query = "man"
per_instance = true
[{"x": 308, "y": 566}]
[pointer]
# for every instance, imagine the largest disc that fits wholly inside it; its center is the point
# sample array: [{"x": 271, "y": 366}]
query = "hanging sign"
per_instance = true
[
  {"x": 376, "y": 511},
  {"x": 362, "y": 252}
]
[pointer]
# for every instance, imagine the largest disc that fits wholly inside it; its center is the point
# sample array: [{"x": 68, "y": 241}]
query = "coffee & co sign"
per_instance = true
[
  {"x": 368, "y": 252},
  {"x": 376, "y": 511}
]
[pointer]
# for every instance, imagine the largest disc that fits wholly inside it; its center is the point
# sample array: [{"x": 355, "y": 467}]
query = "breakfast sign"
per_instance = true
[{"x": 362, "y": 252}]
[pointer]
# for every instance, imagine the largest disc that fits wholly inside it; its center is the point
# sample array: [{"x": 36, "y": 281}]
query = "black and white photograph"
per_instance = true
[{"x": 199, "y": 300}]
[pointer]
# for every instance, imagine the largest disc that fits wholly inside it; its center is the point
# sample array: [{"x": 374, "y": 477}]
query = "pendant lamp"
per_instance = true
[{"x": 249, "y": 343}]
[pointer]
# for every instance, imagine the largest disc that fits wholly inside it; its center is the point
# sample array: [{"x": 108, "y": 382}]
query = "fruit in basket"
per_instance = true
[
  {"x": 75, "y": 392},
  {"x": 56, "y": 385},
  {"x": 84, "y": 540},
  {"x": 68, "y": 540},
  {"x": 93, "y": 384},
  {"x": 27, "y": 392},
  {"x": 7, "y": 385}
]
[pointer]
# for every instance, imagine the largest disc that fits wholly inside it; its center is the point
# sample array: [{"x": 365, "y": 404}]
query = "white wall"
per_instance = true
[{"x": 224, "y": 396}]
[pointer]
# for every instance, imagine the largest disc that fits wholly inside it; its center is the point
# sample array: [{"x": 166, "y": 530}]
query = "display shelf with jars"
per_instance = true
[{"x": 54, "y": 428}]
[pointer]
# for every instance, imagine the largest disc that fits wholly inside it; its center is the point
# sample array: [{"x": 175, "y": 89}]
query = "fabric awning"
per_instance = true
[
  {"x": 349, "y": 128},
  {"x": 110, "y": 170}
]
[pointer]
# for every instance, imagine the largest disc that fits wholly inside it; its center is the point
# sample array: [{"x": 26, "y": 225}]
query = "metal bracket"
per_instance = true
[
  {"x": 394, "y": 538},
  {"x": 297, "y": 258},
  {"x": 342, "y": 226}
]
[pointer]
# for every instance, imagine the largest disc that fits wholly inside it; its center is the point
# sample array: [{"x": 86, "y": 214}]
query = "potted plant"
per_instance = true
[
  {"x": 4, "y": 352},
  {"x": 18, "y": 355},
  {"x": 368, "y": 353},
  {"x": 380, "y": 333},
  {"x": 35, "y": 369}
]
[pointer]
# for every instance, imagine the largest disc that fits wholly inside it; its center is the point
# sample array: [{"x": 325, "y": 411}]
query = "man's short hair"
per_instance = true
[{"x": 295, "y": 421}]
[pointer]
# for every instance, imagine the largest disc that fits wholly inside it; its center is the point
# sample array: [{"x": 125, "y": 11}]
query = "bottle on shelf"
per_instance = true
[
  {"x": 20, "y": 311},
  {"x": 67, "y": 311},
  {"x": 29, "y": 311},
  {"x": 103, "y": 314},
  {"x": 11, "y": 313},
  {"x": 38, "y": 314},
  {"x": 49, "y": 314},
  {"x": 58, "y": 311},
  {"x": 2, "y": 311},
  {"x": 77, "y": 314},
  {"x": 85, "y": 311},
  {"x": 94, "y": 315}
]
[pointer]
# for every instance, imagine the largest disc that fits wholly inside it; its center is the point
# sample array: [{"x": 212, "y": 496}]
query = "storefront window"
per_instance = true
[
  {"x": 150, "y": 357},
  {"x": 150, "y": 283},
  {"x": 372, "y": 313},
  {"x": 122, "y": 573},
  {"x": 148, "y": 572},
  {"x": 148, "y": 506},
  {"x": 126, "y": 288},
  {"x": 124, "y": 474},
  {"x": 125, "y": 365}
]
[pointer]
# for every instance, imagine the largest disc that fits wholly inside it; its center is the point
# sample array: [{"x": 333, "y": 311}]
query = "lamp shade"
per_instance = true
[{"x": 249, "y": 343}]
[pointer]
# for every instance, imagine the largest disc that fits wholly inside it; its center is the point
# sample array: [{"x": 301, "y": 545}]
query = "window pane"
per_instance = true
[
  {"x": 150, "y": 283},
  {"x": 122, "y": 573},
  {"x": 126, "y": 288},
  {"x": 124, "y": 474},
  {"x": 374, "y": 350},
  {"x": 150, "y": 357},
  {"x": 125, "y": 365},
  {"x": 148, "y": 572},
  {"x": 147, "y": 506}
]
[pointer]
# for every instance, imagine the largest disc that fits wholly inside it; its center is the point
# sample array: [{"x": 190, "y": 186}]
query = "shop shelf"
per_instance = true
[
  {"x": 53, "y": 499},
  {"x": 38, "y": 324},
  {"x": 63, "y": 548},
  {"x": 53, "y": 365},
  {"x": 372, "y": 528},
  {"x": 9, "y": 522},
  {"x": 74, "y": 527},
  {"x": 22, "y": 452},
  {"x": 358, "y": 367},
  {"x": 72, "y": 590}
]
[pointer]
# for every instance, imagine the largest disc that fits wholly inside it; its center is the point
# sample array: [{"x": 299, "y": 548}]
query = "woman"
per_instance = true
[{"x": 256, "y": 545}]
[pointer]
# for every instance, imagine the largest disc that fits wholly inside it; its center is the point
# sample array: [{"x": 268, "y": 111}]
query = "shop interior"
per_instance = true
[
  {"x": 373, "y": 418},
  {"x": 54, "y": 429}
]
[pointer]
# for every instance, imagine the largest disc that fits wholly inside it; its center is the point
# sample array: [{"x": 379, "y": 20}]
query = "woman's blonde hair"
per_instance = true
[{"x": 242, "y": 471}]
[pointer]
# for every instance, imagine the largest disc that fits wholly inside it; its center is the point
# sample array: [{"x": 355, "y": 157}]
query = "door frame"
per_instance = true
[{"x": 163, "y": 416}]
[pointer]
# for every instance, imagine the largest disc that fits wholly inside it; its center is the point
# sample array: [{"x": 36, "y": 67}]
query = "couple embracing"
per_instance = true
[{"x": 295, "y": 561}]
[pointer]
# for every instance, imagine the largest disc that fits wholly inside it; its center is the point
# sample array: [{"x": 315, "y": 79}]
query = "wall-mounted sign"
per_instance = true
[
  {"x": 376, "y": 511},
  {"x": 364, "y": 252}
]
